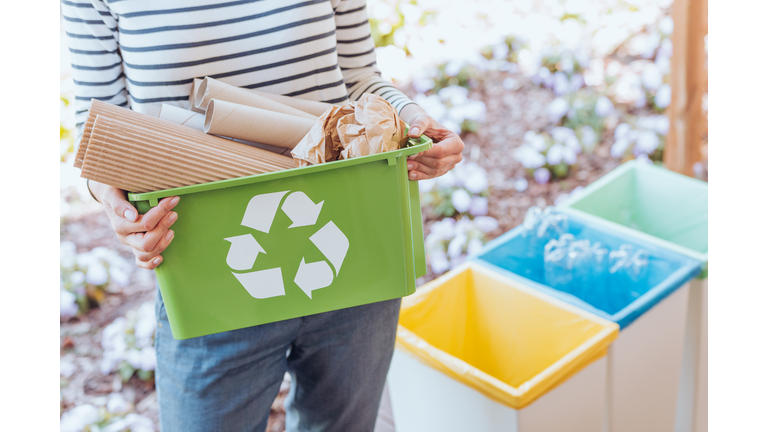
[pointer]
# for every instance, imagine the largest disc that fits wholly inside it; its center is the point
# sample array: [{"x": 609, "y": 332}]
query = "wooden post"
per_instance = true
[{"x": 688, "y": 80}]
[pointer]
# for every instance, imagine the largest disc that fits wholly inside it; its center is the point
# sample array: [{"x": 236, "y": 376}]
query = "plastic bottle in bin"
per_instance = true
[{"x": 542, "y": 226}]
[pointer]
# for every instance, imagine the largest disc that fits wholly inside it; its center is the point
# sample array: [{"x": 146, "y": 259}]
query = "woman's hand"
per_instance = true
[
  {"x": 444, "y": 154},
  {"x": 149, "y": 234}
]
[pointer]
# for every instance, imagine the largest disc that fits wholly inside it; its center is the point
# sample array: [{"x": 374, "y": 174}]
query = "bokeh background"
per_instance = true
[{"x": 548, "y": 95}]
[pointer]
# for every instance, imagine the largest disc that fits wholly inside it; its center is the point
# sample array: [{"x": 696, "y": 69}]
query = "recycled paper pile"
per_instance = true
[{"x": 228, "y": 132}]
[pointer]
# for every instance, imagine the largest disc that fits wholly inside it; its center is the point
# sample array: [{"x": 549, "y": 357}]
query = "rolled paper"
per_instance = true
[
  {"x": 312, "y": 107},
  {"x": 255, "y": 124},
  {"x": 195, "y": 85},
  {"x": 183, "y": 117},
  {"x": 214, "y": 89}
]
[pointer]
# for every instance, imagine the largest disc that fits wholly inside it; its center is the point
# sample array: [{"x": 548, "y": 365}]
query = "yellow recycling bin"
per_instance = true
[{"x": 479, "y": 351}]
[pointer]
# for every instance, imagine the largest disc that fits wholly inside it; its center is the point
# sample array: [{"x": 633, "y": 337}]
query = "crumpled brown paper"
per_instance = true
[{"x": 363, "y": 127}]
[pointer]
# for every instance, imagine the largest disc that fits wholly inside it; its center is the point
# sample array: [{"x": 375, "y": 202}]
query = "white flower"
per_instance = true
[
  {"x": 666, "y": 25},
  {"x": 456, "y": 246},
  {"x": 447, "y": 180},
  {"x": 663, "y": 96},
  {"x": 116, "y": 404},
  {"x": 66, "y": 368},
  {"x": 538, "y": 143},
  {"x": 444, "y": 229},
  {"x": 500, "y": 51},
  {"x": 541, "y": 175},
  {"x": 521, "y": 184},
  {"x": 76, "y": 419},
  {"x": 562, "y": 133},
  {"x": 119, "y": 276},
  {"x": 463, "y": 226},
  {"x": 67, "y": 254},
  {"x": 133, "y": 357},
  {"x": 148, "y": 359},
  {"x": 509, "y": 83},
  {"x": 97, "y": 274},
  {"x": 588, "y": 137},
  {"x": 438, "y": 260},
  {"x": 134, "y": 422},
  {"x": 529, "y": 157},
  {"x": 569, "y": 156},
  {"x": 456, "y": 95},
  {"x": 573, "y": 144},
  {"x": 77, "y": 277},
  {"x": 561, "y": 198},
  {"x": 427, "y": 185},
  {"x": 652, "y": 77},
  {"x": 474, "y": 247},
  {"x": 555, "y": 154},
  {"x": 561, "y": 85},
  {"x": 643, "y": 158},
  {"x": 557, "y": 109},
  {"x": 485, "y": 224},
  {"x": 660, "y": 124},
  {"x": 619, "y": 147},
  {"x": 603, "y": 107},
  {"x": 476, "y": 182},
  {"x": 460, "y": 199},
  {"x": 454, "y": 67},
  {"x": 67, "y": 304},
  {"x": 577, "y": 82},
  {"x": 647, "y": 142},
  {"x": 478, "y": 206},
  {"x": 452, "y": 126},
  {"x": 621, "y": 131},
  {"x": 665, "y": 50}
]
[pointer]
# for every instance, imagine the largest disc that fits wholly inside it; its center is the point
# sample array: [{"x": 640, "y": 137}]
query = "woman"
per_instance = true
[{"x": 140, "y": 54}]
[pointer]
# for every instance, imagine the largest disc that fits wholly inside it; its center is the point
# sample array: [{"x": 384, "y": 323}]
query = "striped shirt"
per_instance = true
[{"x": 141, "y": 53}]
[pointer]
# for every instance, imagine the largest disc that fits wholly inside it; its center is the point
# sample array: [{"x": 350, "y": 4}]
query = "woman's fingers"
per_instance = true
[
  {"x": 151, "y": 264},
  {"x": 148, "y": 241},
  {"x": 149, "y": 256},
  {"x": 149, "y": 220},
  {"x": 114, "y": 198}
]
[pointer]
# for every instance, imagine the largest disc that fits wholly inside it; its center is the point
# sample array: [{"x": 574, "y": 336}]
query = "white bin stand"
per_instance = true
[
  {"x": 644, "y": 366},
  {"x": 692, "y": 401},
  {"x": 426, "y": 400}
]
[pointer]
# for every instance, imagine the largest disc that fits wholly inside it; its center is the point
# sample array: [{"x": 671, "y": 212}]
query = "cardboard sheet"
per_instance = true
[
  {"x": 139, "y": 153},
  {"x": 214, "y": 89},
  {"x": 255, "y": 124},
  {"x": 367, "y": 126}
]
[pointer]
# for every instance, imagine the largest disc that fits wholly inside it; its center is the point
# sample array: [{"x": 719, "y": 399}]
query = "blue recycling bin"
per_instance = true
[{"x": 646, "y": 358}]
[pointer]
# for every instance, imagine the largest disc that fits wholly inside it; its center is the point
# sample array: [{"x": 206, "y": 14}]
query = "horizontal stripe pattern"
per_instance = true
[{"x": 141, "y": 54}]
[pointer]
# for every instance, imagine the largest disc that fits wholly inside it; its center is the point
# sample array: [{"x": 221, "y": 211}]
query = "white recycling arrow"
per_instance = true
[
  {"x": 243, "y": 252},
  {"x": 262, "y": 284},
  {"x": 313, "y": 276},
  {"x": 332, "y": 243},
  {"x": 301, "y": 209},
  {"x": 261, "y": 211}
]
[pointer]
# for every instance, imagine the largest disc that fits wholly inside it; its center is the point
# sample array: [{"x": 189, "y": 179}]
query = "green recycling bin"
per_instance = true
[
  {"x": 274, "y": 246},
  {"x": 670, "y": 210}
]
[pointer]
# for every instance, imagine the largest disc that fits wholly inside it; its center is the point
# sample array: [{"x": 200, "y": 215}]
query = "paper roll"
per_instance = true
[
  {"x": 195, "y": 85},
  {"x": 182, "y": 117},
  {"x": 312, "y": 107},
  {"x": 255, "y": 124},
  {"x": 211, "y": 88}
]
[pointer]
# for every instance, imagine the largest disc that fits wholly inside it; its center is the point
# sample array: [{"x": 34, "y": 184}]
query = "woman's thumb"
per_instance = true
[
  {"x": 116, "y": 199},
  {"x": 417, "y": 128}
]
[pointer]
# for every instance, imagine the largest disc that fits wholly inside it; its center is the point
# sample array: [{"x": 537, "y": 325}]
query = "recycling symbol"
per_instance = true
[{"x": 302, "y": 211}]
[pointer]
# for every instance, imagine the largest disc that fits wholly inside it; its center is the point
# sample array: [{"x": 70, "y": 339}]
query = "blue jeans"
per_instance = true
[{"x": 338, "y": 362}]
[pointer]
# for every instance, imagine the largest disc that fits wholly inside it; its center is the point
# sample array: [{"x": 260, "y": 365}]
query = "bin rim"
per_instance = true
[
  {"x": 546, "y": 380},
  {"x": 417, "y": 145},
  {"x": 566, "y": 207},
  {"x": 628, "y": 314}
]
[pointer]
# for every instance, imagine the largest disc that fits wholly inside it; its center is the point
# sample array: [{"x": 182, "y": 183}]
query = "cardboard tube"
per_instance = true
[
  {"x": 312, "y": 107},
  {"x": 211, "y": 88},
  {"x": 254, "y": 124},
  {"x": 182, "y": 117},
  {"x": 195, "y": 85}
]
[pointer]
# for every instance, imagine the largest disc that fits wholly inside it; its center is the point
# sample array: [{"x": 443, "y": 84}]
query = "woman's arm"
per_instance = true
[
  {"x": 357, "y": 60},
  {"x": 97, "y": 71}
]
